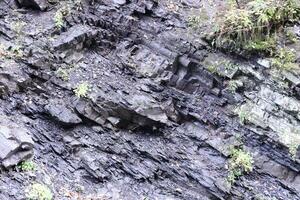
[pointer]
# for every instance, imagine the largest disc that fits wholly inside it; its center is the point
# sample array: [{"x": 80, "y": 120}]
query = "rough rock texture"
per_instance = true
[
  {"x": 16, "y": 144},
  {"x": 36, "y": 4},
  {"x": 159, "y": 116}
]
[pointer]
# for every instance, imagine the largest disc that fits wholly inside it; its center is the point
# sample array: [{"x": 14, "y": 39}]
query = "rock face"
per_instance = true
[
  {"x": 126, "y": 102},
  {"x": 62, "y": 113},
  {"x": 12, "y": 78},
  {"x": 16, "y": 144},
  {"x": 36, "y": 4}
]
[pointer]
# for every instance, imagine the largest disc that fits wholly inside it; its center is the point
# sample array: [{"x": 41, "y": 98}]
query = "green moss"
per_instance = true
[
  {"x": 240, "y": 163},
  {"x": 39, "y": 191},
  {"x": 194, "y": 21}
]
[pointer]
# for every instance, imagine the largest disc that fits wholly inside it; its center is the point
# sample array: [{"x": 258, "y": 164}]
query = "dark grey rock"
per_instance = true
[
  {"x": 16, "y": 144},
  {"x": 12, "y": 78},
  {"x": 60, "y": 112},
  {"x": 76, "y": 37},
  {"x": 36, "y": 4},
  {"x": 156, "y": 122}
]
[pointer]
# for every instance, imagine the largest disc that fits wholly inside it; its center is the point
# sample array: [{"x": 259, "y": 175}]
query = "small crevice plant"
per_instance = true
[
  {"x": 240, "y": 163},
  {"x": 39, "y": 191},
  {"x": 81, "y": 90},
  {"x": 27, "y": 166},
  {"x": 284, "y": 59},
  {"x": 59, "y": 19}
]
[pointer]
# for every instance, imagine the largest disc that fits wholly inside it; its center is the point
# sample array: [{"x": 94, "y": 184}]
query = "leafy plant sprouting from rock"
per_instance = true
[
  {"x": 253, "y": 21},
  {"x": 27, "y": 166},
  {"x": 66, "y": 8},
  {"x": 16, "y": 50},
  {"x": 59, "y": 19},
  {"x": 63, "y": 74},
  {"x": 17, "y": 27},
  {"x": 39, "y": 191},
  {"x": 240, "y": 163},
  {"x": 233, "y": 85},
  {"x": 284, "y": 59},
  {"x": 81, "y": 90},
  {"x": 243, "y": 113}
]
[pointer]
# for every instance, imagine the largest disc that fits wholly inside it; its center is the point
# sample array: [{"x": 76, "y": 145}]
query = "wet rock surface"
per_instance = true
[{"x": 123, "y": 102}]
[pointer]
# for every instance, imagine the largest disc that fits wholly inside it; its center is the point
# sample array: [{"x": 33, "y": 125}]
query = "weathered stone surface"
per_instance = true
[
  {"x": 76, "y": 37},
  {"x": 12, "y": 78},
  {"x": 157, "y": 120},
  {"x": 278, "y": 112},
  {"x": 16, "y": 144},
  {"x": 137, "y": 110},
  {"x": 37, "y": 4},
  {"x": 62, "y": 113}
]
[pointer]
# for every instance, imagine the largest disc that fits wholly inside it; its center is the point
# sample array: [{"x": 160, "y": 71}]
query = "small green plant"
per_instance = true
[
  {"x": 4, "y": 53},
  {"x": 284, "y": 59},
  {"x": 240, "y": 162},
  {"x": 63, "y": 74},
  {"x": 39, "y": 191},
  {"x": 212, "y": 68},
  {"x": 228, "y": 65},
  {"x": 59, "y": 19},
  {"x": 27, "y": 166},
  {"x": 16, "y": 51},
  {"x": 293, "y": 149},
  {"x": 233, "y": 85},
  {"x": 243, "y": 113},
  {"x": 81, "y": 90},
  {"x": 10, "y": 53},
  {"x": 194, "y": 21},
  {"x": 18, "y": 27},
  {"x": 66, "y": 8},
  {"x": 291, "y": 36}
]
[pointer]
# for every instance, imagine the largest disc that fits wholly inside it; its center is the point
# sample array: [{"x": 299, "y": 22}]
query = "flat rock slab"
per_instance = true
[{"x": 62, "y": 113}]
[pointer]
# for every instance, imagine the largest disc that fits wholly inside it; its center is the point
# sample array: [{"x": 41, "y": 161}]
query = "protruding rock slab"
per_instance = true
[
  {"x": 16, "y": 145},
  {"x": 62, "y": 113}
]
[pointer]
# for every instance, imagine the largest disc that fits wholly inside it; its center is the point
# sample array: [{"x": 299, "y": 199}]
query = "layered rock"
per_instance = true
[
  {"x": 16, "y": 144},
  {"x": 156, "y": 118}
]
